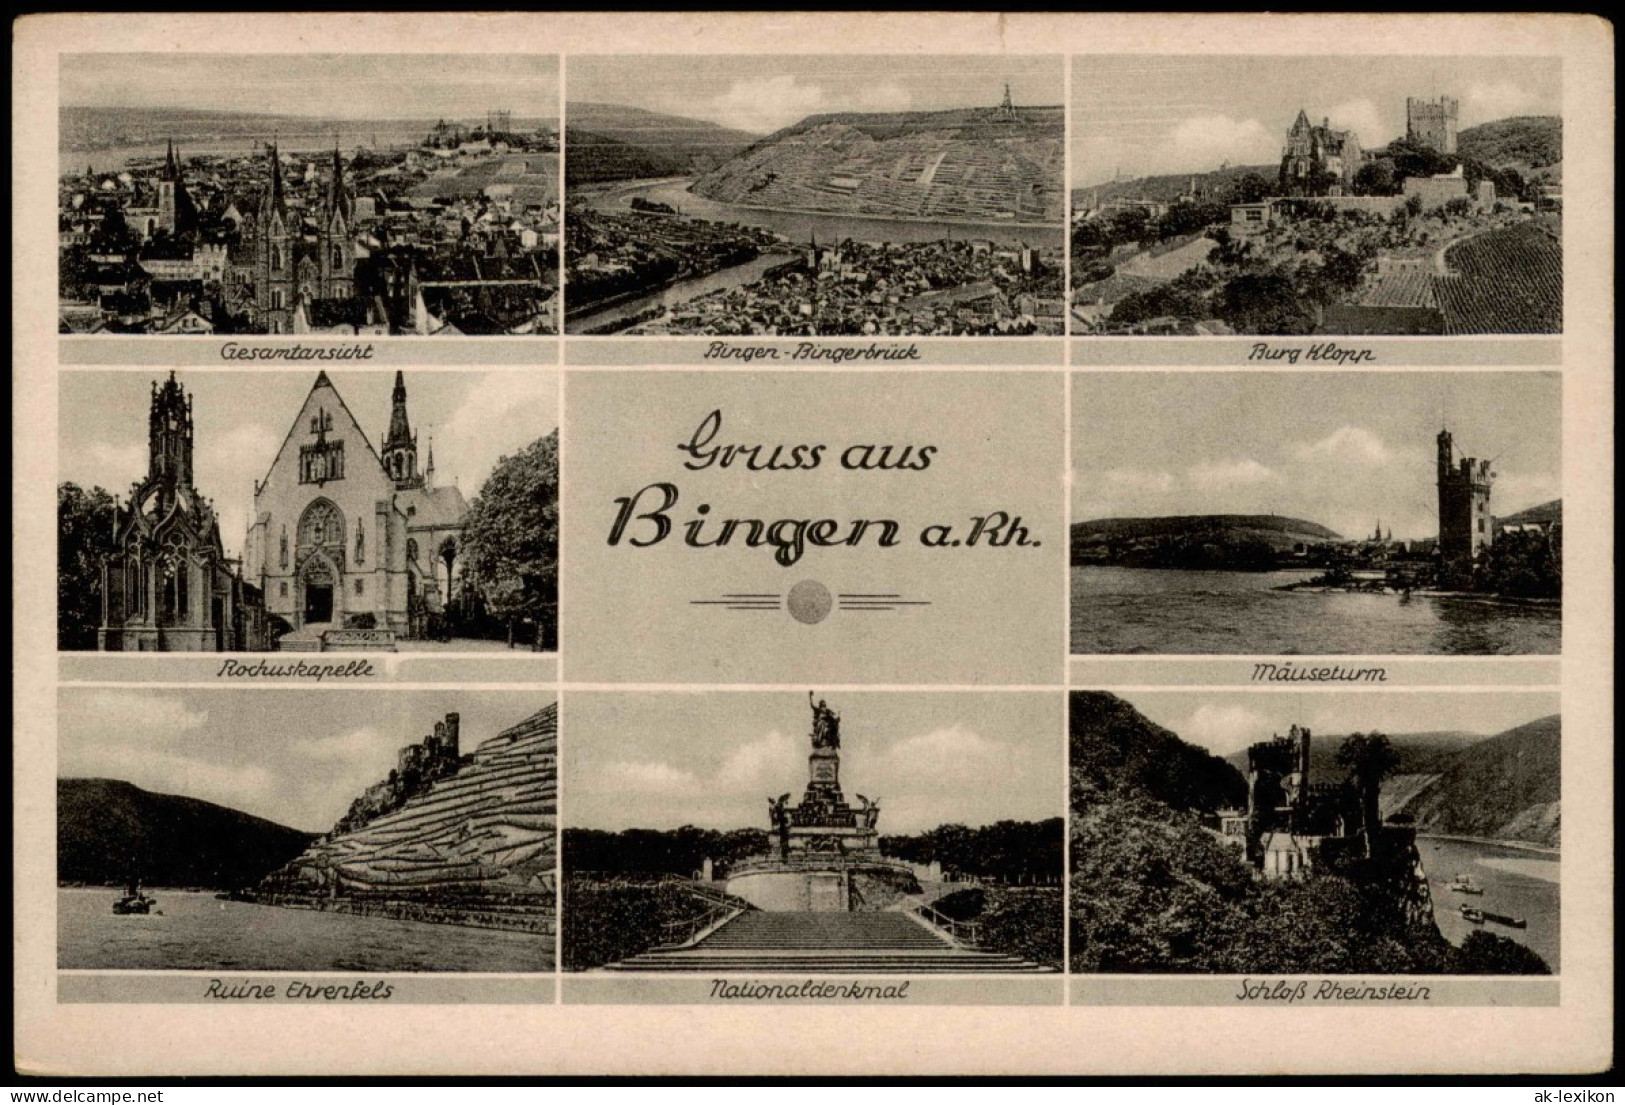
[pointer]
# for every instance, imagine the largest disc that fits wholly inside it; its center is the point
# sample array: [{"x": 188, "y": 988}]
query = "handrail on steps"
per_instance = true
[{"x": 968, "y": 933}]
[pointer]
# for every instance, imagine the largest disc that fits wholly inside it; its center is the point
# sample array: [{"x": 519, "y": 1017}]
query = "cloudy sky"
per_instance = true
[
  {"x": 1340, "y": 449},
  {"x": 1177, "y": 114},
  {"x": 764, "y": 93},
  {"x": 712, "y": 759},
  {"x": 1225, "y": 722},
  {"x": 242, "y": 417},
  {"x": 297, "y": 756},
  {"x": 328, "y": 86}
]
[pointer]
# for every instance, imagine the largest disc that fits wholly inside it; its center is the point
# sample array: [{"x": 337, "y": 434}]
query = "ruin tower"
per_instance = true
[
  {"x": 1432, "y": 123},
  {"x": 1465, "y": 528}
]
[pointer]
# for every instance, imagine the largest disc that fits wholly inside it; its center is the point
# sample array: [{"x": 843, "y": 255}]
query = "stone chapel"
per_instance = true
[{"x": 346, "y": 538}]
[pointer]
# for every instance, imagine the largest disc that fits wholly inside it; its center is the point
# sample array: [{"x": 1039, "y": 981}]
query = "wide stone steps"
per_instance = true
[
  {"x": 783, "y": 931},
  {"x": 856, "y": 943}
]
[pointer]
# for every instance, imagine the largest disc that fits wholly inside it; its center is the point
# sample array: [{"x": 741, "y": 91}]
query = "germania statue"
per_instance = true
[{"x": 826, "y": 730}]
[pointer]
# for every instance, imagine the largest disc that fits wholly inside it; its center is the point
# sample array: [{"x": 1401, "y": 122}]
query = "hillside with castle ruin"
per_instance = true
[{"x": 452, "y": 838}]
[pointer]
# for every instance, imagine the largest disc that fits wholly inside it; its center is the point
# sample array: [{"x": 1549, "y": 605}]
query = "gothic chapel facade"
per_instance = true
[{"x": 345, "y": 538}]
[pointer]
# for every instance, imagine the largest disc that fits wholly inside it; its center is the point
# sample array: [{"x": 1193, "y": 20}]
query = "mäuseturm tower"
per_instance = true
[
  {"x": 1432, "y": 123},
  {"x": 1465, "y": 526}
]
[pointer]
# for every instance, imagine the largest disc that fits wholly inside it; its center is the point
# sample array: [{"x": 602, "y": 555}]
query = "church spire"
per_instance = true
[
  {"x": 401, "y": 445},
  {"x": 275, "y": 199},
  {"x": 400, "y": 429}
]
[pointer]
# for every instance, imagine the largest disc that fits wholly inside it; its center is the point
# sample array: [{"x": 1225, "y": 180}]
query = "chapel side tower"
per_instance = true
[
  {"x": 400, "y": 452},
  {"x": 1465, "y": 528}
]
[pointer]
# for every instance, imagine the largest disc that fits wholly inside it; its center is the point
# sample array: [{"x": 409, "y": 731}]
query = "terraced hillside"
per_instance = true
[
  {"x": 980, "y": 166},
  {"x": 477, "y": 847}
]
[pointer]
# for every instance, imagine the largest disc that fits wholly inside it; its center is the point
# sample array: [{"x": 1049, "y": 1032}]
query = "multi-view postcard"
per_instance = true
[
  {"x": 1273, "y": 513},
  {"x": 1221, "y": 195},
  {"x": 322, "y": 194},
  {"x": 278, "y": 511},
  {"x": 815, "y": 196}
]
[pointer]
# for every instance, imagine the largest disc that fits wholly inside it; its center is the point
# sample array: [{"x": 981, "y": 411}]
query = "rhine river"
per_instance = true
[
  {"x": 1517, "y": 882},
  {"x": 796, "y": 226},
  {"x": 1149, "y": 610},
  {"x": 114, "y": 159},
  {"x": 800, "y": 226},
  {"x": 197, "y": 932}
]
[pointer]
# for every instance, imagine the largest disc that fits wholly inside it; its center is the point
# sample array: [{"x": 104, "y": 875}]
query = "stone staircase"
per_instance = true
[
  {"x": 307, "y": 638},
  {"x": 891, "y": 942}
]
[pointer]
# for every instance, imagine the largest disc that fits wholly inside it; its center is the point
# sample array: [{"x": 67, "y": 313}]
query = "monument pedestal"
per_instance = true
[{"x": 825, "y": 852}]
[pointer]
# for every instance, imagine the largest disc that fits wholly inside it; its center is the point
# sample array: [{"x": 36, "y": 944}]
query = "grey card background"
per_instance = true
[{"x": 995, "y": 614}]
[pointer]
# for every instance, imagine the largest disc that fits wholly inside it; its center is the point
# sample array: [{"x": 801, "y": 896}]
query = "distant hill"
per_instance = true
[
  {"x": 1506, "y": 787},
  {"x": 963, "y": 124},
  {"x": 1419, "y": 753},
  {"x": 93, "y": 128},
  {"x": 594, "y": 158},
  {"x": 1295, "y": 528},
  {"x": 108, "y": 830},
  {"x": 1524, "y": 142},
  {"x": 1216, "y": 185},
  {"x": 1544, "y": 514},
  {"x": 1194, "y": 541},
  {"x": 1116, "y": 752},
  {"x": 607, "y": 141},
  {"x": 968, "y": 165}
]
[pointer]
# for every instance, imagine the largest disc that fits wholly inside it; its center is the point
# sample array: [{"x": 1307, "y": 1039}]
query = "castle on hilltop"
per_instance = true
[
  {"x": 448, "y": 838},
  {"x": 1318, "y": 160},
  {"x": 1289, "y": 820},
  {"x": 1432, "y": 123},
  {"x": 418, "y": 765}
]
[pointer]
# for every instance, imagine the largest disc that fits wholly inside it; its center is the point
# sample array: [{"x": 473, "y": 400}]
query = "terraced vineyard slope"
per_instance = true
[
  {"x": 1505, "y": 281},
  {"x": 972, "y": 166},
  {"x": 476, "y": 845}
]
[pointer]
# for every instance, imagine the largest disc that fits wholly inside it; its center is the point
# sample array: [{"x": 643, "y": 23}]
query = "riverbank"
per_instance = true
[
  {"x": 1377, "y": 587},
  {"x": 927, "y": 219},
  {"x": 1520, "y": 845},
  {"x": 538, "y": 917}
]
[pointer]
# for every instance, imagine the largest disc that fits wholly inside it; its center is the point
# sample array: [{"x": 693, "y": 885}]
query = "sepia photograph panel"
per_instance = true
[
  {"x": 1322, "y": 832},
  {"x": 309, "y": 194},
  {"x": 252, "y": 512},
  {"x": 1296, "y": 196},
  {"x": 266, "y": 830},
  {"x": 815, "y": 196},
  {"x": 1368, "y": 514},
  {"x": 673, "y": 866}
]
